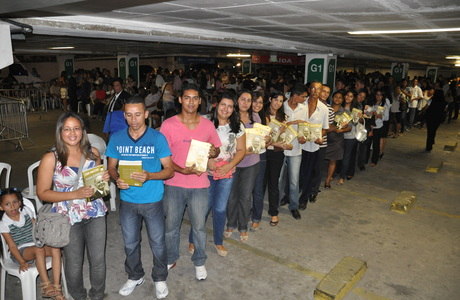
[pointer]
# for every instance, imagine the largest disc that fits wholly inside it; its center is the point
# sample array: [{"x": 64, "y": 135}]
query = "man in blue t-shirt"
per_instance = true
[{"x": 140, "y": 143}]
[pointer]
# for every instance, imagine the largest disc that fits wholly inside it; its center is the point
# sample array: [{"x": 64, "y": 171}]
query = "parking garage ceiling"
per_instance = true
[{"x": 213, "y": 27}]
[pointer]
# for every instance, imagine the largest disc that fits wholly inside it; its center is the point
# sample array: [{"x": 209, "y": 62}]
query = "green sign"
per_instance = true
[
  {"x": 315, "y": 70},
  {"x": 397, "y": 72},
  {"x": 68, "y": 67},
  {"x": 246, "y": 66},
  {"x": 133, "y": 68},
  {"x": 122, "y": 68},
  {"x": 331, "y": 73},
  {"x": 431, "y": 74}
]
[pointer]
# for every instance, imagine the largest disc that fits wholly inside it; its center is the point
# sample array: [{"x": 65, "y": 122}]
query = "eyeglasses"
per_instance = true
[{"x": 5, "y": 191}]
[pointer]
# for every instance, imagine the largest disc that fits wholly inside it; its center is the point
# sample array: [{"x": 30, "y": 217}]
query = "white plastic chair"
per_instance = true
[
  {"x": 88, "y": 107},
  {"x": 7, "y": 167},
  {"x": 29, "y": 278},
  {"x": 30, "y": 191}
]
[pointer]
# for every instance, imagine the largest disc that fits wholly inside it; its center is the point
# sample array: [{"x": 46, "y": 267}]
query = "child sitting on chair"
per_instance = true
[{"x": 16, "y": 229}]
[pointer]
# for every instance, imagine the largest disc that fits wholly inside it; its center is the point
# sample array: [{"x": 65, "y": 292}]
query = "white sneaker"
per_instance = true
[
  {"x": 161, "y": 289},
  {"x": 201, "y": 273},
  {"x": 129, "y": 286},
  {"x": 170, "y": 266}
]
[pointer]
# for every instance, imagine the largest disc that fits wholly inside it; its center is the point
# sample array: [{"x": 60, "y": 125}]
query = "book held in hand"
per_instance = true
[
  {"x": 93, "y": 178},
  {"x": 255, "y": 140},
  {"x": 198, "y": 155},
  {"x": 276, "y": 127},
  {"x": 126, "y": 168},
  {"x": 287, "y": 136}
]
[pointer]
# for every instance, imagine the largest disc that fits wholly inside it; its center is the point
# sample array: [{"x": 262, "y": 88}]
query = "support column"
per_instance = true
[
  {"x": 320, "y": 67},
  {"x": 128, "y": 64},
  {"x": 66, "y": 64},
  {"x": 399, "y": 71},
  {"x": 432, "y": 73},
  {"x": 6, "y": 50}
]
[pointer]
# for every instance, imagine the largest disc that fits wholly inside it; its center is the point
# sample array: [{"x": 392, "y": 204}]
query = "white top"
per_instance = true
[
  {"x": 16, "y": 228},
  {"x": 228, "y": 140},
  {"x": 319, "y": 116},
  {"x": 152, "y": 99},
  {"x": 416, "y": 92},
  {"x": 299, "y": 113}
]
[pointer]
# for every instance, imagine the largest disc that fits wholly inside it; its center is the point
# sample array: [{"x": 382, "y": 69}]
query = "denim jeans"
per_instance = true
[
  {"x": 292, "y": 163},
  {"x": 219, "y": 191},
  {"x": 316, "y": 180},
  {"x": 258, "y": 193},
  {"x": 91, "y": 233},
  {"x": 239, "y": 202},
  {"x": 349, "y": 157},
  {"x": 412, "y": 113},
  {"x": 131, "y": 217},
  {"x": 174, "y": 202}
]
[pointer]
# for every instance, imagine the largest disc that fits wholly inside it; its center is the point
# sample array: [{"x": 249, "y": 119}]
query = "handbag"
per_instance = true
[
  {"x": 361, "y": 131},
  {"x": 52, "y": 228}
]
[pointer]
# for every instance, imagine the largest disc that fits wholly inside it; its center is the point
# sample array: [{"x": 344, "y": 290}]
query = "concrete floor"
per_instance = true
[{"x": 412, "y": 256}]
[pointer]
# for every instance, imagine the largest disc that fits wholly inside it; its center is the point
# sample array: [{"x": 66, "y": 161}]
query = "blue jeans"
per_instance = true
[
  {"x": 219, "y": 191},
  {"x": 91, "y": 233},
  {"x": 412, "y": 113},
  {"x": 259, "y": 190},
  {"x": 131, "y": 217},
  {"x": 174, "y": 202},
  {"x": 292, "y": 163},
  {"x": 239, "y": 202}
]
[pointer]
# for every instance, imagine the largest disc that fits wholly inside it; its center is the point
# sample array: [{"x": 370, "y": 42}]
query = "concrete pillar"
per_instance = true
[
  {"x": 320, "y": 67},
  {"x": 128, "y": 64},
  {"x": 399, "y": 71},
  {"x": 6, "y": 50},
  {"x": 65, "y": 64},
  {"x": 432, "y": 73}
]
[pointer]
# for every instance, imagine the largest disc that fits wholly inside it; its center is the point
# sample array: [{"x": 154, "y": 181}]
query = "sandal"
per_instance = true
[
  {"x": 228, "y": 233},
  {"x": 191, "y": 248},
  {"x": 244, "y": 236},
  {"x": 58, "y": 290},
  {"x": 48, "y": 290},
  {"x": 274, "y": 221}
]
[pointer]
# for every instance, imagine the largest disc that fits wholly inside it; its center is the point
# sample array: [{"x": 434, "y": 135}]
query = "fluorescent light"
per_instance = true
[
  {"x": 457, "y": 65},
  {"x": 453, "y": 57},
  {"x": 404, "y": 31},
  {"x": 62, "y": 48},
  {"x": 238, "y": 55}
]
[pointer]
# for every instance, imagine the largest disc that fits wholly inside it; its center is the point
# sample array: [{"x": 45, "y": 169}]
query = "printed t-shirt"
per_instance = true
[{"x": 149, "y": 148}]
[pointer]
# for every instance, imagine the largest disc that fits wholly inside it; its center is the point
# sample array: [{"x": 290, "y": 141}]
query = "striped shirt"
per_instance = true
[
  {"x": 330, "y": 119},
  {"x": 20, "y": 231}
]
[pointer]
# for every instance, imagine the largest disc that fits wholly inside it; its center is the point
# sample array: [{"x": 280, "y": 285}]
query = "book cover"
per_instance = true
[
  {"x": 288, "y": 135},
  {"x": 93, "y": 178},
  {"x": 263, "y": 129},
  {"x": 304, "y": 130},
  {"x": 275, "y": 126},
  {"x": 315, "y": 132},
  {"x": 356, "y": 114},
  {"x": 255, "y": 141},
  {"x": 126, "y": 168},
  {"x": 198, "y": 155}
]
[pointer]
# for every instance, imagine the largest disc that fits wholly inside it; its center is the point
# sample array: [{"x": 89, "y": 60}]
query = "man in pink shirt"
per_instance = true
[{"x": 188, "y": 187}]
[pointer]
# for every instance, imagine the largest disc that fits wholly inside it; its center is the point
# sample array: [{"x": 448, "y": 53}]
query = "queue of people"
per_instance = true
[{"x": 232, "y": 188}]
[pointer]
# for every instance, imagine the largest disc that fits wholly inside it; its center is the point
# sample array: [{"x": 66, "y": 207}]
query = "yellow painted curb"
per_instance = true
[
  {"x": 450, "y": 147},
  {"x": 341, "y": 279},
  {"x": 434, "y": 167},
  {"x": 403, "y": 202}
]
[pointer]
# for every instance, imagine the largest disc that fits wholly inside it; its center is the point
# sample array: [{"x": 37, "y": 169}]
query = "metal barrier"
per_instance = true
[
  {"x": 34, "y": 99},
  {"x": 13, "y": 121}
]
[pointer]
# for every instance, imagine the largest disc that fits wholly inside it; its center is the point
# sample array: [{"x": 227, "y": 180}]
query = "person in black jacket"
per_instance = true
[
  {"x": 115, "y": 120},
  {"x": 434, "y": 116}
]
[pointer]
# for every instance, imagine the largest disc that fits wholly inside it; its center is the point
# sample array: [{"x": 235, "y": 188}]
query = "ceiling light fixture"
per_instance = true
[
  {"x": 238, "y": 55},
  {"x": 404, "y": 31},
  {"x": 453, "y": 57},
  {"x": 61, "y": 48},
  {"x": 457, "y": 65}
]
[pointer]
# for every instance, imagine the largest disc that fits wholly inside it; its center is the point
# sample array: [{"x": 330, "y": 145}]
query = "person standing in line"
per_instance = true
[
  {"x": 231, "y": 134},
  {"x": 317, "y": 174},
  {"x": 416, "y": 95},
  {"x": 317, "y": 113},
  {"x": 188, "y": 187},
  {"x": 275, "y": 156},
  {"x": 350, "y": 142},
  {"x": 56, "y": 181},
  {"x": 143, "y": 203},
  {"x": 377, "y": 129},
  {"x": 114, "y": 119},
  {"x": 239, "y": 203},
  {"x": 296, "y": 112},
  {"x": 261, "y": 182}
]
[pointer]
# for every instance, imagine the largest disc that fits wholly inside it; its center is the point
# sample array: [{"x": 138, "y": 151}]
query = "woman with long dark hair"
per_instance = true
[
  {"x": 57, "y": 175},
  {"x": 350, "y": 144},
  {"x": 231, "y": 134},
  {"x": 239, "y": 203}
]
